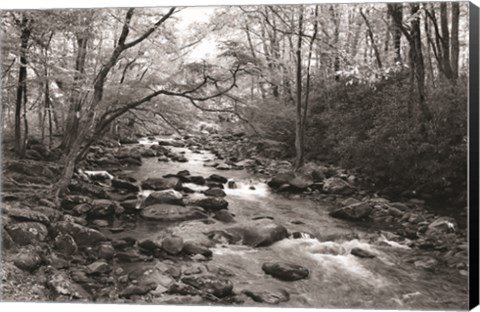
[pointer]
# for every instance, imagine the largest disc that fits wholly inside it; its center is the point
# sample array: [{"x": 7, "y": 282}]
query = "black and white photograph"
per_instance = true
[{"x": 308, "y": 155}]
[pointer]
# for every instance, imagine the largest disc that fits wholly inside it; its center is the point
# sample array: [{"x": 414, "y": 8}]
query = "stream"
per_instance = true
[{"x": 337, "y": 279}]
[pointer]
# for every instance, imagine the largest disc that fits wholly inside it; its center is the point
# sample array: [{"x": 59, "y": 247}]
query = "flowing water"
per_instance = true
[{"x": 337, "y": 278}]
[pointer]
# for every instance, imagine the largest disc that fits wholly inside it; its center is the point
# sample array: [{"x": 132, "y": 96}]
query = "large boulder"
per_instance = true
[
  {"x": 218, "y": 178},
  {"x": 353, "y": 212},
  {"x": 27, "y": 232},
  {"x": 215, "y": 192},
  {"x": 82, "y": 188},
  {"x": 83, "y": 235},
  {"x": 160, "y": 184},
  {"x": 285, "y": 271},
  {"x": 26, "y": 214},
  {"x": 337, "y": 185},
  {"x": 173, "y": 245},
  {"x": 172, "y": 213},
  {"x": 258, "y": 233},
  {"x": 164, "y": 197}
]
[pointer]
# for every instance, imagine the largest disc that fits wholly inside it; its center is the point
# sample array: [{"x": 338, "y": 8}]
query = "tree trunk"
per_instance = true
[
  {"x": 22, "y": 84},
  {"x": 396, "y": 12},
  {"x": 299, "y": 139},
  {"x": 455, "y": 43},
  {"x": 445, "y": 40}
]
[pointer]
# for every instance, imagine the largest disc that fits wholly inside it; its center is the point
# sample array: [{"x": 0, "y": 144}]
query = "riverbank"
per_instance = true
[{"x": 192, "y": 220}]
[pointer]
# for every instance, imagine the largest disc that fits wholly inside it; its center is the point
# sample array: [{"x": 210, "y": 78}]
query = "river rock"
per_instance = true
[
  {"x": 171, "y": 213},
  {"x": 281, "y": 179},
  {"x": 258, "y": 233},
  {"x": 52, "y": 214},
  {"x": 98, "y": 267},
  {"x": 106, "y": 251},
  {"x": 197, "y": 180},
  {"x": 337, "y": 185},
  {"x": 191, "y": 248},
  {"x": 212, "y": 203},
  {"x": 160, "y": 184},
  {"x": 65, "y": 244},
  {"x": 136, "y": 290},
  {"x": 27, "y": 232},
  {"x": 441, "y": 225},
  {"x": 28, "y": 261},
  {"x": 70, "y": 201},
  {"x": 92, "y": 190},
  {"x": 149, "y": 153},
  {"x": 361, "y": 253},
  {"x": 164, "y": 197},
  {"x": 223, "y": 166},
  {"x": 353, "y": 212},
  {"x": 218, "y": 178},
  {"x": 83, "y": 236},
  {"x": 81, "y": 209},
  {"x": 62, "y": 285},
  {"x": 210, "y": 284},
  {"x": 269, "y": 297},
  {"x": 172, "y": 245},
  {"x": 215, "y": 192},
  {"x": 224, "y": 215},
  {"x": 26, "y": 214},
  {"x": 102, "y": 208},
  {"x": 125, "y": 185},
  {"x": 285, "y": 271}
]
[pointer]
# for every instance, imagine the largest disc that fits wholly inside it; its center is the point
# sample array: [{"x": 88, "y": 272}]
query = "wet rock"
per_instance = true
[
  {"x": 170, "y": 213},
  {"x": 179, "y": 158},
  {"x": 269, "y": 297},
  {"x": 215, "y": 192},
  {"x": 224, "y": 215},
  {"x": 164, "y": 197},
  {"x": 218, "y": 178},
  {"x": 83, "y": 236},
  {"x": 100, "y": 223},
  {"x": 62, "y": 285},
  {"x": 163, "y": 159},
  {"x": 361, "y": 253},
  {"x": 102, "y": 208},
  {"x": 149, "y": 153},
  {"x": 106, "y": 251},
  {"x": 25, "y": 214},
  {"x": 281, "y": 179},
  {"x": 231, "y": 184},
  {"x": 130, "y": 256},
  {"x": 28, "y": 261},
  {"x": 82, "y": 188},
  {"x": 70, "y": 201},
  {"x": 353, "y": 212},
  {"x": 172, "y": 245},
  {"x": 6, "y": 239},
  {"x": 183, "y": 290},
  {"x": 81, "y": 209},
  {"x": 98, "y": 267},
  {"x": 212, "y": 203},
  {"x": 213, "y": 184},
  {"x": 125, "y": 185},
  {"x": 285, "y": 271},
  {"x": 128, "y": 141},
  {"x": 130, "y": 205},
  {"x": 199, "y": 180},
  {"x": 160, "y": 184},
  {"x": 148, "y": 245},
  {"x": 337, "y": 185},
  {"x": 426, "y": 263},
  {"x": 258, "y": 233},
  {"x": 136, "y": 290},
  {"x": 27, "y": 232},
  {"x": 441, "y": 225},
  {"x": 65, "y": 244},
  {"x": 210, "y": 284},
  {"x": 300, "y": 181},
  {"x": 223, "y": 166},
  {"x": 192, "y": 249}
]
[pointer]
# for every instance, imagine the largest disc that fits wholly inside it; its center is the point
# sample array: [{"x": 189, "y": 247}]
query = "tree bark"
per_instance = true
[
  {"x": 299, "y": 139},
  {"x": 455, "y": 42},
  {"x": 22, "y": 84}
]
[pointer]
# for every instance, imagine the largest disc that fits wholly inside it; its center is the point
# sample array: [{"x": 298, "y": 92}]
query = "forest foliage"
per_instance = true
[{"x": 377, "y": 88}]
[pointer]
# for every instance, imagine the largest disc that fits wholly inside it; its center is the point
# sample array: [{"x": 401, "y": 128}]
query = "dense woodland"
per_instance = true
[{"x": 380, "y": 89}]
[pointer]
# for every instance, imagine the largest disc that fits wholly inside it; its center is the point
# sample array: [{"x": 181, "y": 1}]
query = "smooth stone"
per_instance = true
[{"x": 285, "y": 271}]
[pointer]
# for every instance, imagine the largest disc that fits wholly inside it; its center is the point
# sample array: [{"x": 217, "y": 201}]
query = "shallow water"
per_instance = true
[{"x": 337, "y": 278}]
